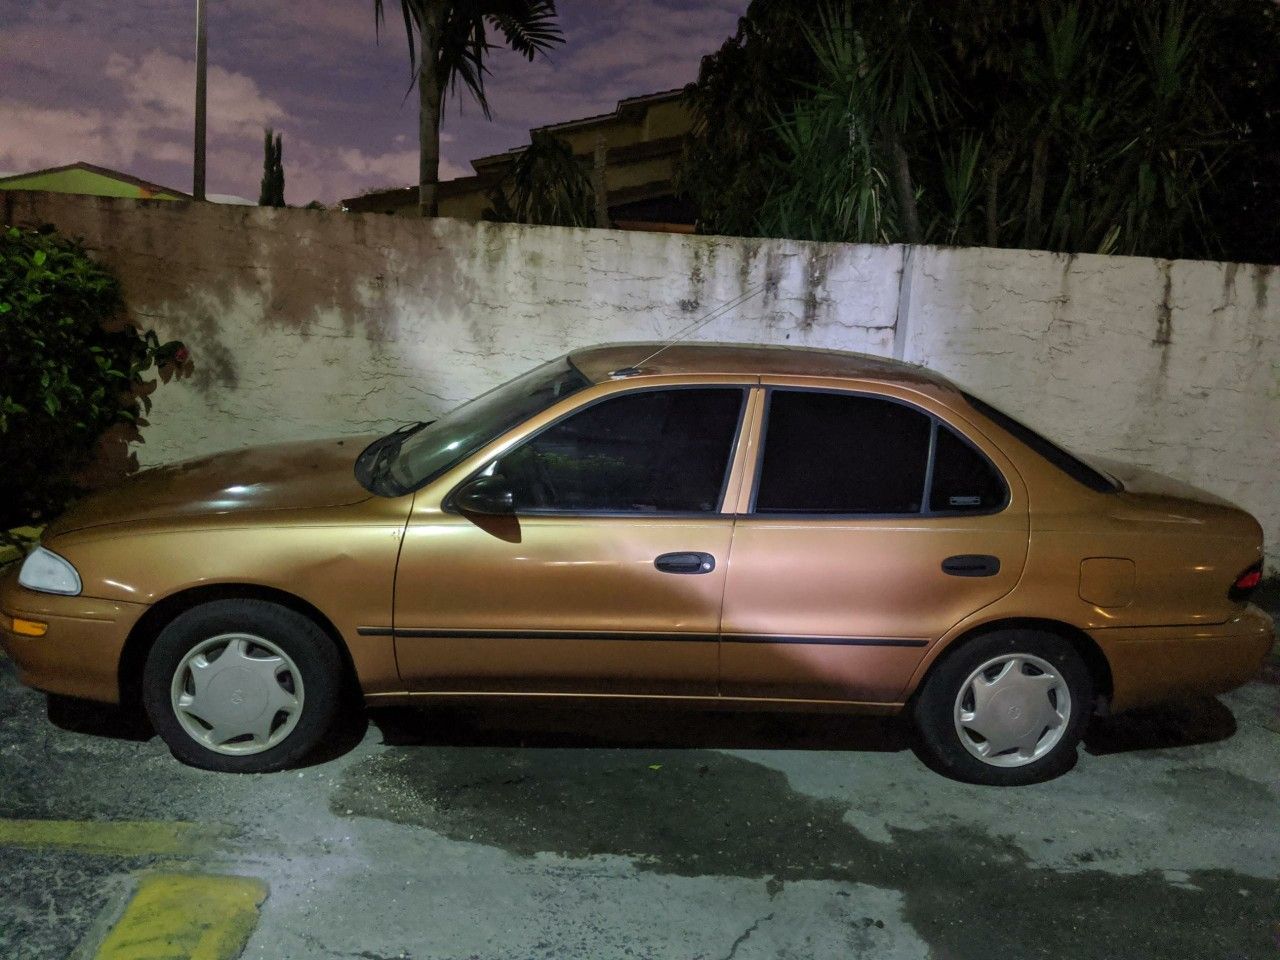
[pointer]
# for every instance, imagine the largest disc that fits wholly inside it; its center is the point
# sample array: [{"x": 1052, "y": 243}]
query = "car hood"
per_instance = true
[{"x": 284, "y": 476}]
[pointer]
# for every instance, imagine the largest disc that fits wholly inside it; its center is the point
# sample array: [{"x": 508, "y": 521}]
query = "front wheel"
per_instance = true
[
  {"x": 242, "y": 686},
  {"x": 1006, "y": 709}
]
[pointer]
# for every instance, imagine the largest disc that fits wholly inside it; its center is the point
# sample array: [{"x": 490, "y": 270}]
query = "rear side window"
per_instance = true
[
  {"x": 964, "y": 481},
  {"x": 1069, "y": 464},
  {"x": 842, "y": 454},
  {"x": 653, "y": 451}
]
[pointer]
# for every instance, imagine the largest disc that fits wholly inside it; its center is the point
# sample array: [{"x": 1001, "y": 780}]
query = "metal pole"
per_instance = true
[{"x": 202, "y": 58}]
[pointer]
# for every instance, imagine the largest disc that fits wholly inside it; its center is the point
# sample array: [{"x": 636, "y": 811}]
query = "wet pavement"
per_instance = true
[{"x": 498, "y": 832}]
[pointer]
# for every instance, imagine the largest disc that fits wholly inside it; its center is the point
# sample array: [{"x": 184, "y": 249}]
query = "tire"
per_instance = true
[
  {"x": 265, "y": 708},
  {"x": 1036, "y": 696}
]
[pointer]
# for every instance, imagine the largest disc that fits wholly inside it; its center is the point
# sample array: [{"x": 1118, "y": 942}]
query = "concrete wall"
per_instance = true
[{"x": 309, "y": 323}]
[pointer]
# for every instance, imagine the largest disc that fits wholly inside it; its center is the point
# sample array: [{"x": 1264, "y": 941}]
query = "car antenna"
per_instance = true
[{"x": 692, "y": 328}]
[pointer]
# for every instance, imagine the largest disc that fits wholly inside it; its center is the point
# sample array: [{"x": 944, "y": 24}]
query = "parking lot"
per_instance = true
[{"x": 504, "y": 833}]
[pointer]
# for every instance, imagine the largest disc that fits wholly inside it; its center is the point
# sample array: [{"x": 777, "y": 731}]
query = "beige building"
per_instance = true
[{"x": 641, "y": 140}]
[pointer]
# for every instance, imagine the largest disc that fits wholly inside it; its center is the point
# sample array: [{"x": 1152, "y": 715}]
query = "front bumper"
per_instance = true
[
  {"x": 79, "y": 656},
  {"x": 1154, "y": 664}
]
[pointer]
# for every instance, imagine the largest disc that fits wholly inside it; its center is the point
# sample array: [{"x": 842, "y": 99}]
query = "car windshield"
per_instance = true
[{"x": 409, "y": 457}]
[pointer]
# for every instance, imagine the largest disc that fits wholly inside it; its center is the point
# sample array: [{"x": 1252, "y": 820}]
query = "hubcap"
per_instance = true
[
  {"x": 1012, "y": 710},
  {"x": 237, "y": 694}
]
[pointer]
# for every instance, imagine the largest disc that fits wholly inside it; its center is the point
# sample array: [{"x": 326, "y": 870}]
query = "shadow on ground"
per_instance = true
[
  {"x": 488, "y": 724},
  {"x": 658, "y": 789},
  {"x": 120, "y": 723},
  {"x": 497, "y": 724},
  {"x": 98, "y": 719},
  {"x": 1186, "y": 724},
  {"x": 506, "y": 725}
]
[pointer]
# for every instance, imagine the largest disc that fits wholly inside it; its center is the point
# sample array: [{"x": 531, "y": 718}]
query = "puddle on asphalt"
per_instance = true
[{"x": 694, "y": 812}]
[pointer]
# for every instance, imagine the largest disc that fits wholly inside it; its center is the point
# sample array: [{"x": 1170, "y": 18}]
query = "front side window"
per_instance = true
[
  {"x": 842, "y": 454},
  {"x": 653, "y": 451}
]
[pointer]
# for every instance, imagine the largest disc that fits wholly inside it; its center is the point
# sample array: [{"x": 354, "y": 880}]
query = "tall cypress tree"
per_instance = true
[{"x": 271, "y": 193}]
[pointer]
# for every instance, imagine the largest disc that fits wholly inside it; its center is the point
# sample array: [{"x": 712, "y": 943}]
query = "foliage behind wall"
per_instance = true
[
  {"x": 1139, "y": 126},
  {"x": 71, "y": 370}
]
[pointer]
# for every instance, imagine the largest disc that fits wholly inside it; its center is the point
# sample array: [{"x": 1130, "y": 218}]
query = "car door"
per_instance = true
[
  {"x": 610, "y": 574},
  {"x": 873, "y": 525}
]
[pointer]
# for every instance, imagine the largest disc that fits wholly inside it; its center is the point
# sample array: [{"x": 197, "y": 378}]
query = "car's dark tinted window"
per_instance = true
[
  {"x": 656, "y": 451},
  {"x": 842, "y": 454},
  {"x": 1071, "y": 465},
  {"x": 963, "y": 479}
]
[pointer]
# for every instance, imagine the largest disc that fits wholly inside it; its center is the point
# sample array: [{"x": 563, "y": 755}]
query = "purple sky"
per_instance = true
[{"x": 112, "y": 83}]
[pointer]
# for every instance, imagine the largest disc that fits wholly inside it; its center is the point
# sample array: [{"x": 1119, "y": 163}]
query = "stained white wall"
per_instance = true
[{"x": 307, "y": 323}]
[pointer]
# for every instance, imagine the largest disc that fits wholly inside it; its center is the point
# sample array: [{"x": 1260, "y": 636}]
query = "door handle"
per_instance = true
[
  {"x": 971, "y": 565},
  {"x": 685, "y": 562}
]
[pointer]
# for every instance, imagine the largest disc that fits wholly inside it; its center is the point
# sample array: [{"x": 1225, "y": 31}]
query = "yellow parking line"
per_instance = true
[
  {"x": 176, "y": 916},
  {"x": 135, "y": 838}
]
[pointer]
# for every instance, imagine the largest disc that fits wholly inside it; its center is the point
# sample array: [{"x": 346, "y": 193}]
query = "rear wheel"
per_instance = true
[
  {"x": 242, "y": 686},
  {"x": 1006, "y": 708}
]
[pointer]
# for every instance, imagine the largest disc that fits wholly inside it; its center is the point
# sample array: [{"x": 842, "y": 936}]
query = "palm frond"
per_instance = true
[
  {"x": 529, "y": 27},
  {"x": 547, "y": 185},
  {"x": 460, "y": 60},
  {"x": 406, "y": 9}
]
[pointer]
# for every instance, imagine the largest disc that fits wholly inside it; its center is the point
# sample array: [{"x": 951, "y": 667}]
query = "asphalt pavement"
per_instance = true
[{"x": 496, "y": 832}]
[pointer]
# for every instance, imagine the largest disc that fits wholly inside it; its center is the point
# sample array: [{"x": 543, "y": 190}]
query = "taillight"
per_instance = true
[{"x": 1246, "y": 583}]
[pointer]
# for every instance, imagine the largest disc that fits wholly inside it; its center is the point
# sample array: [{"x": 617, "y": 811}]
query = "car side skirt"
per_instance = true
[{"x": 680, "y": 701}]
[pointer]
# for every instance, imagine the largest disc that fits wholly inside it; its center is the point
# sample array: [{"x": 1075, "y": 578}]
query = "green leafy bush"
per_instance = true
[{"x": 71, "y": 368}]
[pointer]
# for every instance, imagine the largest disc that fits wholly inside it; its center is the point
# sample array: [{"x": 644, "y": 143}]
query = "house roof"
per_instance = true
[
  {"x": 490, "y": 168},
  {"x": 599, "y": 363},
  {"x": 630, "y": 108},
  {"x": 627, "y": 108},
  {"x": 101, "y": 171},
  {"x": 403, "y": 196}
]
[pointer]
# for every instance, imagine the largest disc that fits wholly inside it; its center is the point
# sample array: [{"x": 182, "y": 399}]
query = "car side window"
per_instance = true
[
  {"x": 652, "y": 451},
  {"x": 964, "y": 481},
  {"x": 828, "y": 453}
]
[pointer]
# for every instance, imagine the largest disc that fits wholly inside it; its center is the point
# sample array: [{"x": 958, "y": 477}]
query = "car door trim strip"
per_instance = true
[
  {"x": 430, "y": 634},
  {"x": 826, "y": 641}
]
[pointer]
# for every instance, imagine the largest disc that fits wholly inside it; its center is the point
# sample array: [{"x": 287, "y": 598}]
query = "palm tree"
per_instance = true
[
  {"x": 448, "y": 41},
  {"x": 547, "y": 185}
]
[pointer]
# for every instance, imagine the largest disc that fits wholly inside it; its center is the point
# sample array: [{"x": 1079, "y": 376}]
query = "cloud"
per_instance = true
[
  {"x": 152, "y": 115},
  {"x": 52, "y": 136},
  {"x": 613, "y": 49},
  {"x": 397, "y": 167},
  {"x": 152, "y": 122},
  {"x": 160, "y": 91},
  {"x": 113, "y": 83}
]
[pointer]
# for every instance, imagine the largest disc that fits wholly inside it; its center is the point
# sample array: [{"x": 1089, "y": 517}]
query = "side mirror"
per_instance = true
[{"x": 486, "y": 495}]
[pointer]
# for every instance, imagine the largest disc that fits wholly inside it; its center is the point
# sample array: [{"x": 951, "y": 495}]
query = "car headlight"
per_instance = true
[{"x": 45, "y": 571}]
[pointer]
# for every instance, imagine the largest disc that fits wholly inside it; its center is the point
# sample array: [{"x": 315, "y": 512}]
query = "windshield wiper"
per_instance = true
[
  {"x": 376, "y": 459},
  {"x": 408, "y": 428}
]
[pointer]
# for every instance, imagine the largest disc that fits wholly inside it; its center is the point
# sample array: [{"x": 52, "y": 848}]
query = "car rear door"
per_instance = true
[
  {"x": 609, "y": 577},
  {"x": 875, "y": 521}
]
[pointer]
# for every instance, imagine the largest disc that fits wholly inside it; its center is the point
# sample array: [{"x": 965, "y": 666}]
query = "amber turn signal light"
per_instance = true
[{"x": 29, "y": 628}]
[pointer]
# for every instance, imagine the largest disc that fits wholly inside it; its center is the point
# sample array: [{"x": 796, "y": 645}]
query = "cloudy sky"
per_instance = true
[{"x": 111, "y": 82}]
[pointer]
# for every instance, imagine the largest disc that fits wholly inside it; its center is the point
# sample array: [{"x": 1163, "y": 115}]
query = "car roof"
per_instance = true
[{"x": 604, "y": 362}]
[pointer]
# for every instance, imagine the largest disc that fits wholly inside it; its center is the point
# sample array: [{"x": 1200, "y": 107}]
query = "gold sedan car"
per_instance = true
[{"x": 719, "y": 525}]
